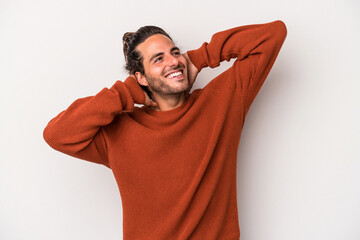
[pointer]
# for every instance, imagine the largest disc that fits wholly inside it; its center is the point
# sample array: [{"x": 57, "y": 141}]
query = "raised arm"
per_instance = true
[
  {"x": 77, "y": 131},
  {"x": 255, "y": 48}
]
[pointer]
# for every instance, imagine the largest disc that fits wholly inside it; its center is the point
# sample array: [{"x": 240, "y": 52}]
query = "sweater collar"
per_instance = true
[{"x": 161, "y": 119}]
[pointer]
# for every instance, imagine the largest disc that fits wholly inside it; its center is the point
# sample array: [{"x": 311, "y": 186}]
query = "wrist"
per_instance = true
[
  {"x": 135, "y": 90},
  {"x": 196, "y": 58}
]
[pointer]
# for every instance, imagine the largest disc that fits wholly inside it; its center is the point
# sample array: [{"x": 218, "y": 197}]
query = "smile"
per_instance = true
[{"x": 177, "y": 74}]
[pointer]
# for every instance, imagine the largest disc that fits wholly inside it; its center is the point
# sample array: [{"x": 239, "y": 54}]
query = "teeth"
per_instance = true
[{"x": 174, "y": 74}]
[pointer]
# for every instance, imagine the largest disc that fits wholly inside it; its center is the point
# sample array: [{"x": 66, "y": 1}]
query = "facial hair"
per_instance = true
[{"x": 159, "y": 86}]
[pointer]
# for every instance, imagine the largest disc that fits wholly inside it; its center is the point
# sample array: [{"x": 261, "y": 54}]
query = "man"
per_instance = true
[{"x": 174, "y": 159}]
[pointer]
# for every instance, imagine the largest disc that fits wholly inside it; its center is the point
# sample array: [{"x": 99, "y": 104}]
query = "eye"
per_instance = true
[
  {"x": 158, "y": 59},
  {"x": 176, "y": 53}
]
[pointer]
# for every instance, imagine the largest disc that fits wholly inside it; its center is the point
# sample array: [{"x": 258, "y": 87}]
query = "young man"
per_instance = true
[{"x": 174, "y": 159}]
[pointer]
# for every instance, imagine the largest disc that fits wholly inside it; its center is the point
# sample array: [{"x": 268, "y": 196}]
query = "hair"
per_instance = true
[{"x": 133, "y": 58}]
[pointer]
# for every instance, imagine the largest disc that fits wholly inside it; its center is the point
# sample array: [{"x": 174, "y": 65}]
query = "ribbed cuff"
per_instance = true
[
  {"x": 136, "y": 92},
  {"x": 197, "y": 58}
]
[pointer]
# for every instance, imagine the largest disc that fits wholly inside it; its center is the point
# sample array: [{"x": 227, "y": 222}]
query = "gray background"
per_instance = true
[{"x": 299, "y": 157}]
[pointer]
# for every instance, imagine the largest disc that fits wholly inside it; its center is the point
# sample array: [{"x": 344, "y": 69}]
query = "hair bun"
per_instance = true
[
  {"x": 126, "y": 40},
  {"x": 127, "y": 36}
]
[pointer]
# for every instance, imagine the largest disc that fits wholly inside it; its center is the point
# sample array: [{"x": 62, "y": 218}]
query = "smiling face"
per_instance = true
[{"x": 165, "y": 67}]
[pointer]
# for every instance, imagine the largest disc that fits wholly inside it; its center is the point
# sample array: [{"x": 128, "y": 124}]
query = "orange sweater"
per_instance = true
[{"x": 176, "y": 169}]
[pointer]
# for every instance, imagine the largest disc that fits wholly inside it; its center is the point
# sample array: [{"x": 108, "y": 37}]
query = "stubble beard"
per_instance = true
[{"x": 158, "y": 86}]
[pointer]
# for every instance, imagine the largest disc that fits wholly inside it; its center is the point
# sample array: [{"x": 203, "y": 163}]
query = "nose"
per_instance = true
[{"x": 173, "y": 61}]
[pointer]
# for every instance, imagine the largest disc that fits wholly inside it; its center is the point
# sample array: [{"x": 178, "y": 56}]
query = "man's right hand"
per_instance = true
[
  {"x": 148, "y": 101},
  {"x": 192, "y": 72}
]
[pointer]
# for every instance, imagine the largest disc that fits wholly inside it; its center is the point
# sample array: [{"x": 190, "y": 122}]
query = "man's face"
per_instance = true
[{"x": 165, "y": 67}]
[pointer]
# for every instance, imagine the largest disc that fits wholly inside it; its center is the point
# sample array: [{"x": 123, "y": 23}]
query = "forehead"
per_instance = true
[{"x": 155, "y": 44}]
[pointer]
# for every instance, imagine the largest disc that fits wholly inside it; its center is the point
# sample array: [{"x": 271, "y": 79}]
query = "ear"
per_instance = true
[{"x": 141, "y": 79}]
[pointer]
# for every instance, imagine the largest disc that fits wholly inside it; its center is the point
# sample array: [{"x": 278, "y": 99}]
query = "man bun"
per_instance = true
[{"x": 126, "y": 42}]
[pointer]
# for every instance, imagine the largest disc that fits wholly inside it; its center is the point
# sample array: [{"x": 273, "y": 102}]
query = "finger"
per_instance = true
[
  {"x": 133, "y": 76},
  {"x": 153, "y": 104}
]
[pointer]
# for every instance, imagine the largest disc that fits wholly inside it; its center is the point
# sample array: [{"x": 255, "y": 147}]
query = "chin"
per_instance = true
[{"x": 184, "y": 87}]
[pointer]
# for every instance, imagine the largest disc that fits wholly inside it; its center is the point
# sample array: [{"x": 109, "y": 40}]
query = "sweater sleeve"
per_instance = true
[
  {"x": 255, "y": 48},
  {"x": 78, "y": 130}
]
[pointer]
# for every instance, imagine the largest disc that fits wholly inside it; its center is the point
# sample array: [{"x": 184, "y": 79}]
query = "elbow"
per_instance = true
[
  {"x": 54, "y": 135},
  {"x": 50, "y": 137},
  {"x": 280, "y": 29},
  {"x": 59, "y": 139}
]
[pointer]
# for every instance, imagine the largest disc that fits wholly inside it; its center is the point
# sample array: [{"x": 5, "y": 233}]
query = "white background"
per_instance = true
[{"x": 299, "y": 156}]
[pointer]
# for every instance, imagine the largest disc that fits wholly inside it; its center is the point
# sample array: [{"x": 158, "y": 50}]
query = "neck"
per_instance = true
[{"x": 168, "y": 102}]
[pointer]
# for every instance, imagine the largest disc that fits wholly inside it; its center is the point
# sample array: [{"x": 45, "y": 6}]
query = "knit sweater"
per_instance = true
[{"x": 175, "y": 169}]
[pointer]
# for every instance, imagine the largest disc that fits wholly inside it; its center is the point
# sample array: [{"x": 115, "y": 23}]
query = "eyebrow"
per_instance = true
[{"x": 161, "y": 53}]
